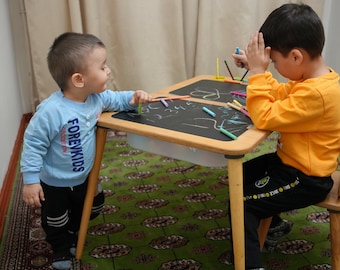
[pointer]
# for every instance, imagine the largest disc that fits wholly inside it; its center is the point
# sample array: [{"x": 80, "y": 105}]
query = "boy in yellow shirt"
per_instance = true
[{"x": 305, "y": 112}]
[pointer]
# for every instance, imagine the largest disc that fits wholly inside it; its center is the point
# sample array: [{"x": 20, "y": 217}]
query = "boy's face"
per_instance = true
[
  {"x": 285, "y": 65},
  {"x": 97, "y": 72}
]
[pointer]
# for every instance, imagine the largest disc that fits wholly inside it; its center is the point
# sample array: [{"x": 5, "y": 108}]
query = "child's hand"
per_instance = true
[
  {"x": 32, "y": 194},
  {"x": 240, "y": 60},
  {"x": 258, "y": 56},
  {"x": 140, "y": 96}
]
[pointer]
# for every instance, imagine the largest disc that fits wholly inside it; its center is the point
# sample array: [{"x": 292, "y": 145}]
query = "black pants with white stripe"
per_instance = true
[
  {"x": 61, "y": 215},
  {"x": 270, "y": 187}
]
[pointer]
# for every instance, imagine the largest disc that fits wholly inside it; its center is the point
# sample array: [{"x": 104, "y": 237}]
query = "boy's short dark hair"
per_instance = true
[
  {"x": 294, "y": 26},
  {"x": 68, "y": 53}
]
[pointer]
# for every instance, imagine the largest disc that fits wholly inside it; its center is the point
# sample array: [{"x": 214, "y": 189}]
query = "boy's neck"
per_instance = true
[
  {"x": 315, "y": 68},
  {"x": 74, "y": 95}
]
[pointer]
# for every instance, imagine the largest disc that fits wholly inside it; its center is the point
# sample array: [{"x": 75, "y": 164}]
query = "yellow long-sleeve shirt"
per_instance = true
[{"x": 307, "y": 116}]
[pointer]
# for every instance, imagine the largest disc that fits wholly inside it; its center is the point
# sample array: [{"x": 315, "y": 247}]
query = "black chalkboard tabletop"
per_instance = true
[
  {"x": 185, "y": 122},
  {"x": 193, "y": 117}
]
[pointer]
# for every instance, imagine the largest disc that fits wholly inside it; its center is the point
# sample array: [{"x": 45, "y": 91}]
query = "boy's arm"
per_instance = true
[
  {"x": 283, "y": 114},
  {"x": 36, "y": 142},
  {"x": 34, "y": 150},
  {"x": 32, "y": 190},
  {"x": 123, "y": 100}
]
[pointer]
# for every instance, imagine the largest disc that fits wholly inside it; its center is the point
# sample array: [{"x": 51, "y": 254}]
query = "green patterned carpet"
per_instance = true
[{"x": 162, "y": 213}]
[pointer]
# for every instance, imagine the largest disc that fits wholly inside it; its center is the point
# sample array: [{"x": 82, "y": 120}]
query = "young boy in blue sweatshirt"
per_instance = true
[{"x": 59, "y": 142}]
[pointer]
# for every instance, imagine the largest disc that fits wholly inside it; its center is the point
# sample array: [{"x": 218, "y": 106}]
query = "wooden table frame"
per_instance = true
[{"x": 233, "y": 150}]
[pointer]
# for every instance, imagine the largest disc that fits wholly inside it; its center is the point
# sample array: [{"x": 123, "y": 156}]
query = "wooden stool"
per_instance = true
[{"x": 332, "y": 204}]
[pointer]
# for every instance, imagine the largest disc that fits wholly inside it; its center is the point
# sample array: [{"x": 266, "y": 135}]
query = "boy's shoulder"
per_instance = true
[{"x": 52, "y": 103}]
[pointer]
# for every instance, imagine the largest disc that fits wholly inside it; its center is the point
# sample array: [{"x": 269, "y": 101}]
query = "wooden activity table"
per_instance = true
[{"x": 232, "y": 150}]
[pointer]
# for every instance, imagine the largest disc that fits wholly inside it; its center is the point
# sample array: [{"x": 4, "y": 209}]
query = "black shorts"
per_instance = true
[{"x": 271, "y": 187}]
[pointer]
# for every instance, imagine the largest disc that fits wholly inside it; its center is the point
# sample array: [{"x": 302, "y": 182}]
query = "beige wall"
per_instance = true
[
  {"x": 10, "y": 101},
  {"x": 331, "y": 21}
]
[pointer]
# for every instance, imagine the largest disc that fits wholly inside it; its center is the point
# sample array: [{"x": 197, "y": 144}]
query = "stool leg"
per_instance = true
[
  {"x": 334, "y": 223},
  {"x": 263, "y": 230}
]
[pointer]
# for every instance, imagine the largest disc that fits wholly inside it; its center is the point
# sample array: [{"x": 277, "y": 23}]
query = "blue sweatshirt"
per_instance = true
[{"x": 59, "y": 142}]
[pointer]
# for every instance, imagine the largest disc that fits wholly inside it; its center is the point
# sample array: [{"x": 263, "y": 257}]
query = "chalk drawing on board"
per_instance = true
[
  {"x": 212, "y": 90},
  {"x": 206, "y": 93},
  {"x": 188, "y": 117}
]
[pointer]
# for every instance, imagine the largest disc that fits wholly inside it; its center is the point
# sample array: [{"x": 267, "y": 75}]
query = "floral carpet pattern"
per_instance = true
[{"x": 162, "y": 213}]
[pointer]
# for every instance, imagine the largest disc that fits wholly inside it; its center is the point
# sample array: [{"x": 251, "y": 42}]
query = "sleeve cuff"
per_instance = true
[
  {"x": 31, "y": 178},
  {"x": 259, "y": 79}
]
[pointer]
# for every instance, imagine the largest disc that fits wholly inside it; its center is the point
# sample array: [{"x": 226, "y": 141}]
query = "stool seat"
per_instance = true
[
  {"x": 332, "y": 201},
  {"x": 332, "y": 204}
]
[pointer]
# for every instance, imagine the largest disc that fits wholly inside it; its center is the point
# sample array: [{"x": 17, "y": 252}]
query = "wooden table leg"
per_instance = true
[
  {"x": 235, "y": 173},
  {"x": 334, "y": 217},
  {"x": 91, "y": 190}
]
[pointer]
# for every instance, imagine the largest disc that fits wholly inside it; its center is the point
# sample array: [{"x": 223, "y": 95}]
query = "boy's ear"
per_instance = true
[
  {"x": 297, "y": 56},
  {"x": 77, "y": 80}
]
